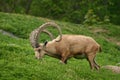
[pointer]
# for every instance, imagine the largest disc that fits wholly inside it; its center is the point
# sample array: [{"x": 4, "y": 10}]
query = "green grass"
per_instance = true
[{"x": 17, "y": 60}]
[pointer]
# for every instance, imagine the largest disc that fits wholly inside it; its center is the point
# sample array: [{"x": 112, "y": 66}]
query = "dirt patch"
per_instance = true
[
  {"x": 98, "y": 30},
  {"x": 118, "y": 43},
  {"x": 114, "y": 41},
  {"x": 101, "y": 30}
]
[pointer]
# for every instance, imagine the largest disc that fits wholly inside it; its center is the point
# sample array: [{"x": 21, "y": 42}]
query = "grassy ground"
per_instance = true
[{"x": 17, "y": 60}]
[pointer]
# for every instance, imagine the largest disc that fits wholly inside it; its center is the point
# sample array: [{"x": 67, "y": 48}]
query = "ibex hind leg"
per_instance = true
[
  {"x": 90, "y": 58},
  {"x": 96, "y": 65}
]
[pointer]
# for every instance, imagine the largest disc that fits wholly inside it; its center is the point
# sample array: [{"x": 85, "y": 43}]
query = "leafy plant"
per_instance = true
[{"x": 91, "y": 18}]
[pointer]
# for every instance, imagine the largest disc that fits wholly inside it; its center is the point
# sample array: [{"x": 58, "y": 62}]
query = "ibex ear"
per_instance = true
[{"x": 45, "y": 43}]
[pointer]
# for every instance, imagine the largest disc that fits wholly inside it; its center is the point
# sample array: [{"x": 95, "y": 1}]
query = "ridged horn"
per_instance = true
[
  {"x": 50, "y": 34},
  {"x": 35, "y": 33}
]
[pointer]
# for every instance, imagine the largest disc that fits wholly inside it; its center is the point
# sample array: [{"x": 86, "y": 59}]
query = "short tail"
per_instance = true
[{"x": 100, "y": 49}]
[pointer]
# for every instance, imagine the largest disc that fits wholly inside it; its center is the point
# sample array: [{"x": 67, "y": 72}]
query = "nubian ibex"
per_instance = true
[{"x": 65, "y": 46}]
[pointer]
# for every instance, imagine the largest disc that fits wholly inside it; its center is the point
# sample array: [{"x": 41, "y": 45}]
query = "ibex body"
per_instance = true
[{"x": 66, "y": 46}]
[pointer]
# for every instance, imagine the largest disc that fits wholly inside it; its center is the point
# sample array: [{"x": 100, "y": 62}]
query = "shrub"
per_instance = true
[{"x": 91, "y": 18}]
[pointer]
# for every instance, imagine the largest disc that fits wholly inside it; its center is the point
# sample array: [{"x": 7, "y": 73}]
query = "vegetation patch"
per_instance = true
[{"x": 17, "y": 61}]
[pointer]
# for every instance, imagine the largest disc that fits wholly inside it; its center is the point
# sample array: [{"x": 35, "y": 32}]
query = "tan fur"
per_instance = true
[{"x": 70, "y": 46}]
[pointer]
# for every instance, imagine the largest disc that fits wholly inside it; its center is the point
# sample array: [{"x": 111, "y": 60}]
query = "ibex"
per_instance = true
[{"x": 65, "y": 46}]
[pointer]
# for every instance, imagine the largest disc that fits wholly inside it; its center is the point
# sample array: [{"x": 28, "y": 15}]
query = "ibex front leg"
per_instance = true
[{"x": 64, "y": 57}]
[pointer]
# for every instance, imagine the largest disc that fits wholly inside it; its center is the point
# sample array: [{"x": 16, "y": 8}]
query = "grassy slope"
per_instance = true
[{"x": 17, "y": 57}]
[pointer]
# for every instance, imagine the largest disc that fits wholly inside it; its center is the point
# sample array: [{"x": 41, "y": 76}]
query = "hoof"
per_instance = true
[{"x": 62, "y": 62}]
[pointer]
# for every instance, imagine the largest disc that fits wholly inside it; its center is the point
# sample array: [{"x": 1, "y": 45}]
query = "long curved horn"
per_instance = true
[
  {"x": 35, "y": 34},
  {"x": 47, "y": 32}
]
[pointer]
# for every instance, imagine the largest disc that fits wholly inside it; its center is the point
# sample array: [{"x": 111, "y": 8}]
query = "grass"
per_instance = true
[{"x": 17, "y": 60}]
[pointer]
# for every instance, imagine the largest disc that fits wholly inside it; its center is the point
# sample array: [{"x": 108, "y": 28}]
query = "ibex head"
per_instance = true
[{"x": 40, "y": 48}]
